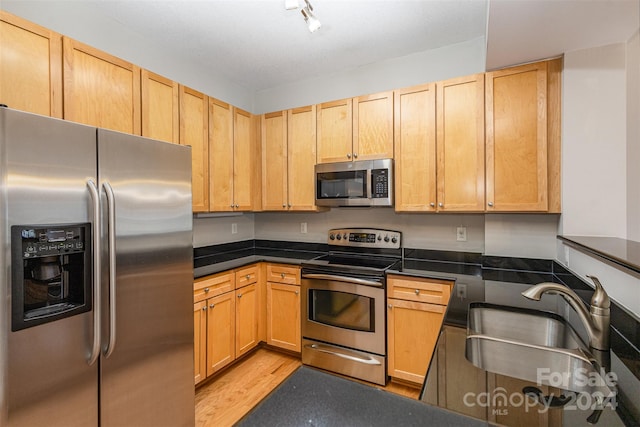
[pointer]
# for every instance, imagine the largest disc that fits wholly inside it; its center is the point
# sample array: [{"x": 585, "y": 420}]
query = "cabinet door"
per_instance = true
[
  {"x": 221, "y": 318},
  {"x": 246, "y": 319},
  {"x": 194, "y": 132},
  {"x": 412, "y": 333},
  {"x": 516, "y": 126},
  {"x": 200, "y": 341},
  {"x": 415, "y": 149},
  {"x": 283, "y": 316},
  {"x": 274, "y": 161},
  {"x": 301, "y": 155},
  {"x": 99, "y": 89},
  {"x": 243, "y": 160},
  {"x": 30, "y": 67},
  {"x": 373, "y": 126},
  {"x": 460, "y": 144},
  {"x": 220, "y": 156},
  {"x": 160, "y": 108},
  {"x": 335, "y": 131}
]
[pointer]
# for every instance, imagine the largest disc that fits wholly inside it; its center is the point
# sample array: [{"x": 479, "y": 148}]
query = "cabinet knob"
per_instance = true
[
  {"x": 355, "y": 155},
  {"x": 297, "y": 292},
  {"x": 440, "y": 204},
  {"x": 211, "y": 305},
  {"x": 237, "y": 206},
  {"x": 490, "y": 204},
  {"x": 206, "y": 290},
  {"x": 204, "y": 308},
  {"x": 284, "y": 206},
  {"x": 248, "y": 276},
  {"x": 239, "y": 295},
  {"x": 348, "y": 155},
  {"x": 433, "y": 205},
  {"x": 282, "y": 275},
  {"x": 289, "y": 204},
  {"x": 390, "y": 306},
  {"x": 231, "y": 206},
  {"x": 417, "y": 291}
]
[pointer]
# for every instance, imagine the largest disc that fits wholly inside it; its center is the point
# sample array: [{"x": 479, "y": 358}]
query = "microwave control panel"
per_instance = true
[{"x": 380, "y": 183}]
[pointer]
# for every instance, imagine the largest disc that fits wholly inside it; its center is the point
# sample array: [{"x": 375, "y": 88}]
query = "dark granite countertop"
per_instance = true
[{"x": 623, "y": 252}]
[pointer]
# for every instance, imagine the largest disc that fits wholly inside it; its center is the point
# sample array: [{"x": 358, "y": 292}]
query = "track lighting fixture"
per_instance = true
[{"x": 307, "y": 12}]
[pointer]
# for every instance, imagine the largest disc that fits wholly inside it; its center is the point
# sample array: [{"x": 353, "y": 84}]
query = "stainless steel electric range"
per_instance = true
[{"x": 343, "y": 303}]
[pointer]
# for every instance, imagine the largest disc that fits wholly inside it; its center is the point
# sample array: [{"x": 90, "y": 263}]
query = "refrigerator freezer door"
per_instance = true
[
  {"x": 147, "y": 358},
  {"x": 47, "y": 165}
]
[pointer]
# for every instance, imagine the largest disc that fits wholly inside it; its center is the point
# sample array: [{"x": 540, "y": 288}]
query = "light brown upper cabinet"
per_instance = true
[
  {"x": 220, "y": 156},
  {"x": 194, "y": 131},
  {"x": 415, "y": 149},
  {"x": 439, "y": 146},
  {"x": 233, "y": 156},
  {"x": 288, "y": 158},
  {"x": 30, "y": 67},
  {"x": 99, "y": 89},
  {"x": 373, "y": 126},
  {"x": 160, "y": 108},
  {"x": 460, "y": 144},
  {"x": 356, "y": 129},
  {"x": 245, "y": 158},
  {"x": 523, "y": 138},
  {"x": 335, "y": 131},
  {"x": 274, "y": 161}
]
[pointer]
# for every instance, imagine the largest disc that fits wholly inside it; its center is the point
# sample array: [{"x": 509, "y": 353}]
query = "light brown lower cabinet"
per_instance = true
[
  {"x": 283, "y": 306},
  {"x": 283, "y": 316},
  {"x": 225, "y": 319},
  {"x": 413, "y": 325}
]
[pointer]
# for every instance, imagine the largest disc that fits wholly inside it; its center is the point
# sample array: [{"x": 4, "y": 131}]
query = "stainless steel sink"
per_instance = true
[{"x": 532, "y": 345}]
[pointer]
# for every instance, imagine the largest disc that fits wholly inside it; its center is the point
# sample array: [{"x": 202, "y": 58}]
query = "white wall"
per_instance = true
[
  {"x": 594, "y": 181},
  {"x": 633, "y": 138},
  {"x": 218, "y": 229},
  {"x": 427, "y": 231},
  {"x": 429, "y": 66},
  {"x": 64, "y": 18},
  {"x": 521, "y": 235}
]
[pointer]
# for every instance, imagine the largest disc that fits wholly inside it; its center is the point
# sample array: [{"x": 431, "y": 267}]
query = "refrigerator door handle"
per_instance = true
[
  {"x": 111, "y": 221},
  {"x": 95, "y": 204}
]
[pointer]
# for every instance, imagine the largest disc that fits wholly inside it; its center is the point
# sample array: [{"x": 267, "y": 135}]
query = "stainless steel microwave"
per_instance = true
[{"x": 360, "y": 183}]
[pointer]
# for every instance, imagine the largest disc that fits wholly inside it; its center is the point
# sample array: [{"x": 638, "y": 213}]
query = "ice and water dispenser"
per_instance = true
[{"x": 51, "y": 273}]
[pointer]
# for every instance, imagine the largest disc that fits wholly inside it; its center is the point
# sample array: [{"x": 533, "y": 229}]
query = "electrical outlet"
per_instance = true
[
  {"x": 461, "y": 290},
  {"x": 234, "y": 228},
  {"x": 303, "y": 227},
  {"x": 461, "y": 234}
]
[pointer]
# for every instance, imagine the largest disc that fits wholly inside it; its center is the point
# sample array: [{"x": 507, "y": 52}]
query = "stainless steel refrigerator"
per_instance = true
[{"x": 96, "y": 268}]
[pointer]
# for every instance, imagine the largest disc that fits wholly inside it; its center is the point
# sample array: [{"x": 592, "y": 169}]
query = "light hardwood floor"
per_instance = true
[{"x": 229, "y": 396}]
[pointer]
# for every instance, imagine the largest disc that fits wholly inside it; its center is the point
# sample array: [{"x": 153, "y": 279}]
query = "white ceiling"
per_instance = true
[{"x": 258, "y": 45}]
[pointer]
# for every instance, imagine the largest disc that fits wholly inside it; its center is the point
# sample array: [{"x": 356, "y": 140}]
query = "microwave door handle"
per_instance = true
[
  {"x": 342, "y": 279},
  {"x": 95, "y": 205},
  {"x": 369, "y": 184},
  {"x": 111, "y": 221}
]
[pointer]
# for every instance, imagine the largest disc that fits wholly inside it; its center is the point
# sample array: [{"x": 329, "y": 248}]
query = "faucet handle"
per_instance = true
[{"x": 600, "y": 298}]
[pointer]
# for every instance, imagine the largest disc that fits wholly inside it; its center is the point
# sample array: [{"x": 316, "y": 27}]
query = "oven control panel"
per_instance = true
[{"x": 365, "y": 238}]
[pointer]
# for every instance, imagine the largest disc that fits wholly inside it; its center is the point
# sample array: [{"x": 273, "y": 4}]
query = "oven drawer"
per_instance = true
[
  {"x": 280, "y": 273},
  {"x": 419, "y": 289},
  {"x": 210, "y": 286}
]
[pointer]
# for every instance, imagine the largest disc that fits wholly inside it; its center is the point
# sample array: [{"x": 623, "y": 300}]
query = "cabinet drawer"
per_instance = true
[
  {"x": 246, "y": 276},
  {"x": 283, "y": 274},
  {"x": 210, "y": 286},
  {"x": 419, "y": 289}
]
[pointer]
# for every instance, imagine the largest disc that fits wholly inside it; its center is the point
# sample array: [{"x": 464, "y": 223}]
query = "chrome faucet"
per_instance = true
[{"x": 596, "y": 320}]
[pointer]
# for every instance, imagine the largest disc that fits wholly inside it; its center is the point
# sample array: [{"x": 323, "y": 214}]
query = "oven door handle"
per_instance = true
[
  {"x": 343, "y": 279},
  {"x": 323, "y": 349}
]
